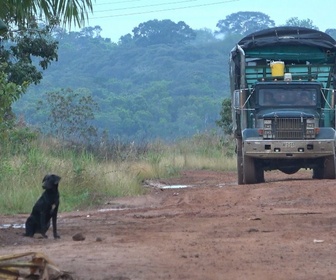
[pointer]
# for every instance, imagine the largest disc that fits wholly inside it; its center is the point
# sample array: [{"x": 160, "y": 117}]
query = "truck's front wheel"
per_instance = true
[
  {"x": 240, "y": 169},
  {"x": 329, "y": 167},
  {"x": 249, "y": 170},
  {"x": 259, "y": 172},
  {"x": 326, "y": 169}
]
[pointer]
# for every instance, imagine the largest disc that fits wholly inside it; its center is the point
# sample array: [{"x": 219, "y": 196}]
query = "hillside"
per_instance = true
[{"x": 143, "y": 92}]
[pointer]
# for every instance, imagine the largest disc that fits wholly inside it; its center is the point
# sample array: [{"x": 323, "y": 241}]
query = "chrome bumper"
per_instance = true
[{"x": 288, "y": 149}]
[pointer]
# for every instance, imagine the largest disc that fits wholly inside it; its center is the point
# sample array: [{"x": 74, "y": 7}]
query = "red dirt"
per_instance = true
[{"x": 215, "y": 229}]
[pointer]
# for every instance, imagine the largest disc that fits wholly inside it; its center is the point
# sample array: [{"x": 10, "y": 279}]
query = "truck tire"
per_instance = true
[
  {"x": 326, "y": 169},
  {"x": 318, "y": 173},
  {"x": 329, "y": 168},
  {"x": 260, "y": 175},
  {"x": 249, "y": 170},
  {"x": 240, "y": 169}
]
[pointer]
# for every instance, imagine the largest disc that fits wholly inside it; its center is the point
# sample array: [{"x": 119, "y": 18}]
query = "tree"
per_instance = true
[
  {"x": 204, "y": 36},
  {"x": 67, "y": 11},
  {"x": 225, "y": 121},
  {"x": 126, "y": 40},
  {"x": 331, "y": 32},
  {"x": 27, "y": 52},
  {"x": 91, "y": 32},
  {"x": 244, "y": 23},
  {"x": 70, "y": 114},
  {"x": 294, "y": 21},
  {"x": 28, "y": 37},
  {"x": 142, "y": 92},
  {"x": 9, "y": 93},
  {"x": 162, "y": 32},
  {"x": 28, "y": 47},
  {"x": 3, "y": 27}
]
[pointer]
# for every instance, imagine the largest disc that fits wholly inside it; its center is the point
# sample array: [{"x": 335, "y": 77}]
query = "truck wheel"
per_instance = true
[
  {"x": 329, "y": 167},
  {"x": 240, "y": 169},
  {"x": 260, "y": 175},
  {"x": 318, "y": 169},
  {"x": 326, "y": 169},
  {"x": 249, "y": 170},
  {"x": 318, "y": 173}
]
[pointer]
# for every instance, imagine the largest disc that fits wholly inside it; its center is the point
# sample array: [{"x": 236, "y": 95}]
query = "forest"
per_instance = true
[{"x": 164, "y": 81}]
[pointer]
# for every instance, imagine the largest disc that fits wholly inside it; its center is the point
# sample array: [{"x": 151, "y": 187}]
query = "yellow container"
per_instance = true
[{"x": 277, "y": 68}]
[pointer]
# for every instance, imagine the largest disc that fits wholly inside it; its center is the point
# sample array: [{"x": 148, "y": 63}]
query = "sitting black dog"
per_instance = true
[{"x": 45, "y": 208}]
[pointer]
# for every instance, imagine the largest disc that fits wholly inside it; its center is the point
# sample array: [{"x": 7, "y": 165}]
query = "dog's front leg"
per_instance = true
[
  {"x": 54, "y": 222},
  {"x": 44, "y": 226}
]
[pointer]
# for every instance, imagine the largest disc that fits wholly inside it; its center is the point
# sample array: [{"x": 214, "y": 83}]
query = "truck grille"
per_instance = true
[{"x": 289, "y": 128}]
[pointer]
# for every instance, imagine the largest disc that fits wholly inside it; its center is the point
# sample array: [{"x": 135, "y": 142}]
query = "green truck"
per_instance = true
[{"x": 282, "y": 83}]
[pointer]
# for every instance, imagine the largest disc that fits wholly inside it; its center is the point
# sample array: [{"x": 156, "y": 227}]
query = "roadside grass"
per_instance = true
[{"x": 88, "y": 179}]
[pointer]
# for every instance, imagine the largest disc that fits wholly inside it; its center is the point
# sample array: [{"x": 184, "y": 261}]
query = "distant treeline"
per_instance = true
[{"x": 164, "y": 91}]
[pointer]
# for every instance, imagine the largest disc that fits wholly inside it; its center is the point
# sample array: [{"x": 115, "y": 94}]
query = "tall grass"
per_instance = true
[{"x": 90, "y": 176}]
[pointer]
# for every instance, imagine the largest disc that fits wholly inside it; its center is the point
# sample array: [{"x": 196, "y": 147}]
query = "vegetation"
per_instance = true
[
  {"x": 244, "y": 23},
  {"x": 163, "y": 81},
  {"x": 69, "y": 12},
  {"x": 225, "y": 121},
  {"x": 143, "y": 93},
  {"x": 69, "y": 113},
  {"x": 91, "y": 177},
  {"x": 28, "y": 47},
  {"x": 100, "y": 113}
]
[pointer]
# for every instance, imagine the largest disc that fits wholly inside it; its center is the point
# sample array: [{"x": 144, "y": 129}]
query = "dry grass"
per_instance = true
[{"x": 87, "y": 180}]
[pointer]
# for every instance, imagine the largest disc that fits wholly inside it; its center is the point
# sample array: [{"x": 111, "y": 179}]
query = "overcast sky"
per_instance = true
[{"x": 119, "y": 17}]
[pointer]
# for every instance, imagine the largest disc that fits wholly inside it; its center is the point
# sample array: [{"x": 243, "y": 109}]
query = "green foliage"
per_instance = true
[
  {"x": 26, "y": 43},
  {"x": 244, "y": 23},
  {"x": 17, "y": 69},
  {"x": 331, "y": 32},
  {"x": 204, "y": 36},
  {"x": 295, "y": 21},
  {"x": 69, "y": 114},
  {"x": 159, "y": 91},
  {"x": 9, "y": 92},
  {"x": 161, "y": 32},
  {"x": 3, "y": 27},
  {"x": 225, "y": 122},
  {"x": 23, "y": 49},
  {"x": 20, "y": 138},
  {"x": 75, "y": 12}
]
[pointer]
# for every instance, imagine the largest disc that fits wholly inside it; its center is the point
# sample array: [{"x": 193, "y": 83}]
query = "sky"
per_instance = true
[{"x": 119, "y": 17}]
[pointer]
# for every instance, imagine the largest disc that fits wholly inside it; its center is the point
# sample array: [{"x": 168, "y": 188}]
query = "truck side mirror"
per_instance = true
[{"x": 236, "y": 99}]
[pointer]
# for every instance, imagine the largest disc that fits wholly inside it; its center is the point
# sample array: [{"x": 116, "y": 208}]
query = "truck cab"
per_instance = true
[{"x": 284, "y": 120}]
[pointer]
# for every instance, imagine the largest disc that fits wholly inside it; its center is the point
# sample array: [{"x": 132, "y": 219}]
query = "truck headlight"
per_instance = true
[
  {"x": 310, "y": 128},
  {"x": 267, "y": 131}
]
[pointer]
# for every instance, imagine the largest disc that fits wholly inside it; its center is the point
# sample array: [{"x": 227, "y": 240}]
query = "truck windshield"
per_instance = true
[{"x": 287, "y": 97}]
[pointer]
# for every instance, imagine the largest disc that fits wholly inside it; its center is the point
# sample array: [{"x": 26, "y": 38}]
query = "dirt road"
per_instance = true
[{"x": 214, "y": 229}]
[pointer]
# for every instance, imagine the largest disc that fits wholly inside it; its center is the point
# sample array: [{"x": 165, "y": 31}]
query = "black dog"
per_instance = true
[{"x": 45, "y": 208}]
